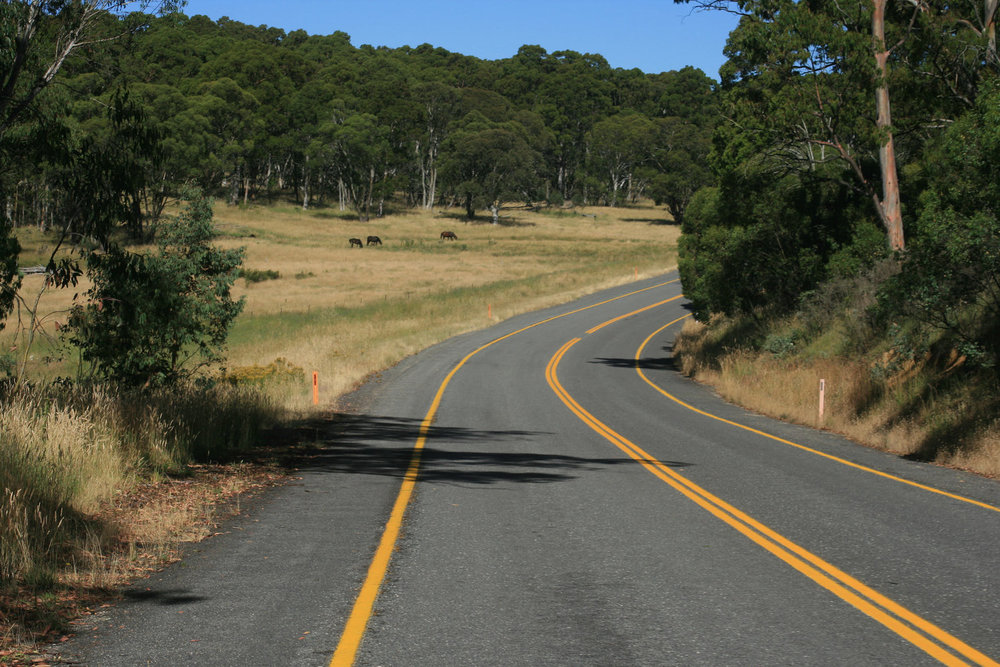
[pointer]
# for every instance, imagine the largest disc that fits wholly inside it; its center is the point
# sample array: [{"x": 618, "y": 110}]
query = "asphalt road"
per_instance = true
[{"x": 579, "y": 502}]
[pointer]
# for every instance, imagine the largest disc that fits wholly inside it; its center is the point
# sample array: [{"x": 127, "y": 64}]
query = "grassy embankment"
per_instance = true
[
  {"x": 100, "y": 485},
  {"x": 929, "y": 406}
]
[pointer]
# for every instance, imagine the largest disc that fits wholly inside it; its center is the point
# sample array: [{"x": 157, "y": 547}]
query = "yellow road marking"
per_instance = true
[
  {"x": 882, "y": 609},
  {"x": 634, "y": 312},
  {"x": 953, "y": 496},
  {"x": 364, "y": 604}
]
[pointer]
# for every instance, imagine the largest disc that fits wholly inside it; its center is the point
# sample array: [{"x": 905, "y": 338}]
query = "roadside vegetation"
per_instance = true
[
  {"x": 178, "y": 198},
  {"x": 842, "y": 244}
]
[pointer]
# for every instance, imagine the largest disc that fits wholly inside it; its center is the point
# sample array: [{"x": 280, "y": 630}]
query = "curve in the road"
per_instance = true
[
  {"x": 930, "y": 638},
  {"x": 361, "y": 612}
]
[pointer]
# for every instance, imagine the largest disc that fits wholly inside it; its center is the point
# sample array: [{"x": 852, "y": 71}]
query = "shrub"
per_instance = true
[
  {"x": 150, "y": 316},
  {"x": 259, "y": 276}
]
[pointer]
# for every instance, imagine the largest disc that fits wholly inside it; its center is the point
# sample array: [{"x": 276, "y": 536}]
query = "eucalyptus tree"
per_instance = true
[
  {"x": 571, "y": 92},
  {"x": 272, "y": 76},
  {"x": 233, "y": 125},
  {"x": 311, "y": 111},
  {"x": 486, "y": 163},
  {"x": 359, "y": 154},
  {"x": 617, "y": 147},
  {"x": 678, "y": 163},
  {"x": 438, "y": 107},
  {"x": 815, "y": 82}
]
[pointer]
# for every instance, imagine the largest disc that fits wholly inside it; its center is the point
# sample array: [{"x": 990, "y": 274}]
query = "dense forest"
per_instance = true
[{"x": 252, "y": 113}]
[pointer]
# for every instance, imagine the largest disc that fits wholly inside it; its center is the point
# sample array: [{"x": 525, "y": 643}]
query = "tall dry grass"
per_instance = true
[
  {"x": 914, "y": 410},
  {"x": 346, "y": 312},
  {"x": 67, "y": 451}
]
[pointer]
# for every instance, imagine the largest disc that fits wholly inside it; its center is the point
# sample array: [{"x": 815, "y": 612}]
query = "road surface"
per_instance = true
[{"x": 552, "y": 492}]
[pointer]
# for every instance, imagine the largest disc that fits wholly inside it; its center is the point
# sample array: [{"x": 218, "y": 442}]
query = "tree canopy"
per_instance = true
[{"x": 249, "y": 113}]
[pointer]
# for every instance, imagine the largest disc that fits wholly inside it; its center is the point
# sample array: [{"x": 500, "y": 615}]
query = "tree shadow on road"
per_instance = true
[
  {"x": 168, "y": 597},
  {"x": 646, "y": 364},
  {"x": 384, "y": 446}
]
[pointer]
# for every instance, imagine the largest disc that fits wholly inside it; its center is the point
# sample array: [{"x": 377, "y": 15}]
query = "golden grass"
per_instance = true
[
  {"x": 347, "y": 312},
  {"x": 890, "y": 414}
]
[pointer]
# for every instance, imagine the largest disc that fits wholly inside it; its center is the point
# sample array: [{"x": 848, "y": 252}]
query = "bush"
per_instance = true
[
  {"x": 153, "y": 319},
  {"x": 259, "y": 276},
  {"x": 950, "y": 279}
]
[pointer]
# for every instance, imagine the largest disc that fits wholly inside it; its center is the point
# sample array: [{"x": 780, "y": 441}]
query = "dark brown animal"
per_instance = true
[
  {"x": 374, "y": 240},
  {"x": 356, "y": 242},
  {"x": 449, "y": 235}
]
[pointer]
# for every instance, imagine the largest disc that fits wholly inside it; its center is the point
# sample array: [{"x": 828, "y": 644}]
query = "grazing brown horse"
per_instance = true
[
  {"x": 449, "y": 235},
  {"x": 374, "y": 240},
  {"x": 356, "y": 242}
]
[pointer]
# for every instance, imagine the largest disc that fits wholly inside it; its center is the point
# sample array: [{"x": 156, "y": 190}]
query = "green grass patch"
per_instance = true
[{"x": 258, "y": 275}]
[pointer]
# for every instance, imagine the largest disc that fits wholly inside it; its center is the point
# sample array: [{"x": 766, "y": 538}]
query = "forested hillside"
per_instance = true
[
  {"x": 254, "y": 113},
  {"x": 855, "y": 225}
]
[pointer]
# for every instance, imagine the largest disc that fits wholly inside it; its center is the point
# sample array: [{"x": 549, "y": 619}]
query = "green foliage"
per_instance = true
[
  {"x": 259, "y": 275},
  {"x": 617, "y": 147},
  {"x": 679, "y": 163},
  {"x": 10, "y": 279},
  {"x": 486, "y": 163},
  {"x": 150, "y": 315},
  {"x": 757, "y": 243},
  {"x": 781, "y": 344},
  {"x": 950, "y": 279}
]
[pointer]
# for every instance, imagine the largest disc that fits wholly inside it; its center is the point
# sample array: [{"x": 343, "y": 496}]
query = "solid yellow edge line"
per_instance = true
[
  {"x": 759, "y": 534},
  {"x": 364, "y": 604},
  {"x": 845, "y": 462}
]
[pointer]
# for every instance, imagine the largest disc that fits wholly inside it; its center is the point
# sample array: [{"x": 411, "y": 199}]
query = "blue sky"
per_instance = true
[{"x": 653, "y": 35}]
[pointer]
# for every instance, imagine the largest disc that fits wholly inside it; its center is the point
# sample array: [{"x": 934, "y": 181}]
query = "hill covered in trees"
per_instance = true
[
  {"x": 843, "y": 174},
  {"x": 253, "y": 113}
]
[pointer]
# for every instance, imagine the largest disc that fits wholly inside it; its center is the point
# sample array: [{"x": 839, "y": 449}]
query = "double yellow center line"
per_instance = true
[
  {"x": 920, "y": 632},
  {"x": 936, "y": 642}
]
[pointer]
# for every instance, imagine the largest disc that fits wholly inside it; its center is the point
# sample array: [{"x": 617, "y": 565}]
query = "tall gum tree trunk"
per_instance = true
[{"x": 889, "y": 206}]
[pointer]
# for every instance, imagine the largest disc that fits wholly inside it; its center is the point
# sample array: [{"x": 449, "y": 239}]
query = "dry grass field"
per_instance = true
[{"x": 347, "y": 312}]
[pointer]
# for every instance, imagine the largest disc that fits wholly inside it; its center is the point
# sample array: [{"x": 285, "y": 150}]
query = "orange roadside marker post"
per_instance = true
[{"x": 315, "y": 388}]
